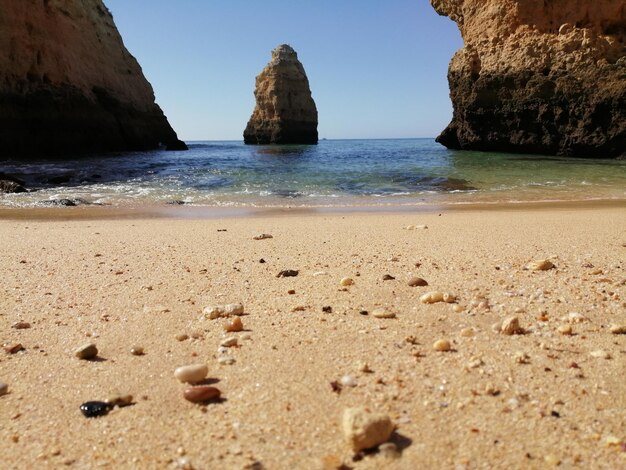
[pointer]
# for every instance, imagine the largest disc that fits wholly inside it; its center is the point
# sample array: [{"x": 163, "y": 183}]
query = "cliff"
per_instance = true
[
  {"x": 538, "y": 76},
  {"x": 285, "y": 112},
  {"x": 68, "y": 85}
]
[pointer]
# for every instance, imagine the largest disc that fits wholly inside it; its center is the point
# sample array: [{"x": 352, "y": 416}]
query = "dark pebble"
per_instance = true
[
  {"x": 288, "y": 273},
  {"x": 388, "y": 277},
  {"x": 262, "y": 261},
  {"x": 93, "y": 409},
  {"x": 327, "y": 309}
]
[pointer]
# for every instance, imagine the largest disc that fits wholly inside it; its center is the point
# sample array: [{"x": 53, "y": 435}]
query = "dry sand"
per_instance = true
[{"x": 526, "y": 401}]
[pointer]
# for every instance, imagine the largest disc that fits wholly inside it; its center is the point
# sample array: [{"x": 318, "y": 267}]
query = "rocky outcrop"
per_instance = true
[
  {"x": 10, "y": 184},
  {"x": 68, "y": 84},
  {"x": 285, "y": 112},
  {"x": 538, "y": 76}
]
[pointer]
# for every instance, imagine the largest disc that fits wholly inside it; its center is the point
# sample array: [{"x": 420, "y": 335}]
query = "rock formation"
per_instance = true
[
  {"x": 538, "y": 76},
  {"x": 68, "y": 84},
  {"x": 285, "y": 112}
]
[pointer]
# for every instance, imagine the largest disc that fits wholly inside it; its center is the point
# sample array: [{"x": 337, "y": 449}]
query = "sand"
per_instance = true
[{"x": 525, "y": 401}]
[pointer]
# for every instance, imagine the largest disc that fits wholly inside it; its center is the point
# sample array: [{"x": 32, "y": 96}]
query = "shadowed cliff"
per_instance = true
[
  {"x": 538, "y": 77},
  {"x": 68, "y": 85}
]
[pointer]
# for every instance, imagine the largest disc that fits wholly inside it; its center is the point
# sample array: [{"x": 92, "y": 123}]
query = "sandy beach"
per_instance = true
[{"x": 551, "y": 395}]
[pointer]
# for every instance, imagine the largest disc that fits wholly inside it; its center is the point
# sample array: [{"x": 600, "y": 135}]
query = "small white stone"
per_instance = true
[
  {"x": 432, "y": 297},
  {"x": 213, "y": 312},
  {"x": 320, "y": 273},
  {"x": 574, "y": 317},
  {"x": 233, "y": 309},
  {"x": 346, "y": 281},
  {"x": 219, "y": 311},
  {"x": 348, "y": 381},
  {"x": 540, "y": 265},
  {"x": 229, "y": 342},
  {"x": 565, "y": 330},
  {"x": 364, "y": 429},
  {"x": 191, "y": 374},
  {"x": 383, "y": 313},
  {"x": 601, "y": 354}
]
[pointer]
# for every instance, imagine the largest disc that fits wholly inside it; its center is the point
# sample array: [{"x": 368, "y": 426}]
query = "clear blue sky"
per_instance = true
[{"x": 377, "y": 68}]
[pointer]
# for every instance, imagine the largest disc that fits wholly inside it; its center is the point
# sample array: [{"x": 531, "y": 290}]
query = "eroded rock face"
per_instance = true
[
  {"x": 68, "y": 84},
  {"x": 538, "y": 76},
  {"x": 285, "y": 112}
]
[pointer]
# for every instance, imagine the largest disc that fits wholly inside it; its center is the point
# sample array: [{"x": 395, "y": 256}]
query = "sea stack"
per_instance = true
[
  {"x": 69, "y": 86},
  {"x": 538, "y": 77},
  {"x": 285, "y": 112}
]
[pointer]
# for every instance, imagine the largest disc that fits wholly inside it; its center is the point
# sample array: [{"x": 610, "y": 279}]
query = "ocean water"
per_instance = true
[{"x": 333, "y": 173}]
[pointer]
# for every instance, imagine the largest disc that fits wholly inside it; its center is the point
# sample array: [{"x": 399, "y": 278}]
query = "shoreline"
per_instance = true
[{"x": 215, "y": 212}]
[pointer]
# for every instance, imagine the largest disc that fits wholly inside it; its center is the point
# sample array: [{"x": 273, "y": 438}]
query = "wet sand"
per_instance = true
[{"x": 532, "y": 400}]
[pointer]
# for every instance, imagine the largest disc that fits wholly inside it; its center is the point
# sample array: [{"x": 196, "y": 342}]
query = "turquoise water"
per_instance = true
[{"x": 333, "y": 173}]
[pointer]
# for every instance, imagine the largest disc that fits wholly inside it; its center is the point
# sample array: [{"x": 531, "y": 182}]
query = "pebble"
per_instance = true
[
  {"x": 364, "y": 429},
  {"x": 442, "y": 345},
  {"x": 320, "y": 273},
  {"x": 383, "y": 313},
  {"x": 364, "y": 367},
  {"x": 540, "y": 265},
  {"x": 348, "y": 381},
  {"x": 182, "y": 337},
  {"x": 467, "y": 332},
  {"x": 191, "y": 374},
  {"x": 233, "y": 326},
  {"x": 388, "y": 277},
  {"x": 86, "y": 351},
  {"x": 21, "y": 325},
  {"x": 218, "y": 311},
  {"x": 201, "y": 394},
  {"x": 510, "y": 326},
  {"x": 137, "y": 351},
  {"x": 4, "y": 388},
  {"x": 565, "y": 330},
  {"x": 458, "y": 308},
  {"x": 13, "y": 348},
  {"x": 93, "y": 409},
  {"x": 226, "y": 360},
  {"x": 229, "y": 342},
  {"x": 288, "y": 273},
  {"x": 415, "y": 227},
  {"x": 389, "y": 450},
  {"x": 346, "y": 281},
  {"x": 618, "y": 329},
  {"x": 521, "y": 357},
  {"x": 263, "y": 236},
  {"x": 417, "y": 282},
  {"x": 600, "y": 354},
  {"x": 435, "y": 296},
  {"x": 574, "y": 317},
  {"x": 117, "y": 399}
]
